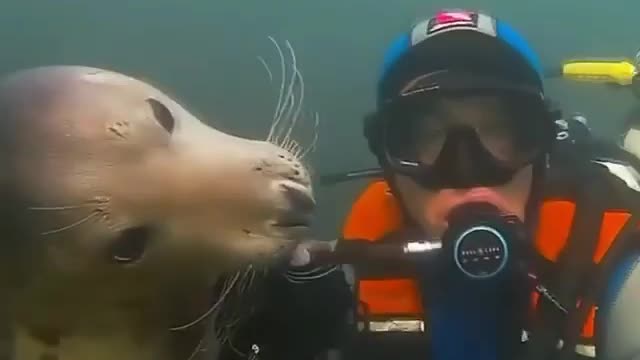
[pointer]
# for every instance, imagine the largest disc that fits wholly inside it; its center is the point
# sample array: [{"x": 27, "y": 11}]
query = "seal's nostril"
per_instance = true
[
  {"x": 130, "y": 245},
  {"x": 300, "y": 199},
  {"x": 296, "y": 172}
]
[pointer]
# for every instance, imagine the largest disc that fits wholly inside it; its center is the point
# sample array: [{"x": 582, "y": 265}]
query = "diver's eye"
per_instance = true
[
  {"x": 130, "y": 246},
  {"x": 162, "y": 114}
]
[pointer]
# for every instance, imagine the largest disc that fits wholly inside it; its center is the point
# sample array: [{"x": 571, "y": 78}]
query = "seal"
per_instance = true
[{"x": 120, "y": 212}]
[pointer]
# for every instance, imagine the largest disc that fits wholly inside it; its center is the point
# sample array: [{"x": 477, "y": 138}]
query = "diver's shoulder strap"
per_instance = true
[
  {"x": 573, "y": 265},
  {"x": 591, "y": 293},
  {"x": 577, "y": 279}
]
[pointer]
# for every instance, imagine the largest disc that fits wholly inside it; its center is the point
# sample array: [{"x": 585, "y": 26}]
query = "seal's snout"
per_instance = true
[
  {"x": 300, "y": 197},
  {"x": 298, "y": 212},
  {"x": 284, "y": 166},
  {"x": 283, "y": 188}
]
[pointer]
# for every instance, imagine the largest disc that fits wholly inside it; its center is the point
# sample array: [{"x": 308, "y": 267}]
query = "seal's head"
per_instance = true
[{"x": 115, "y": 194}]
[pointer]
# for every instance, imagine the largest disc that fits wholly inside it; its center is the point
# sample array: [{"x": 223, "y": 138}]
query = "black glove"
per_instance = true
[
  {"x": 573, "y": 130},
  {"x": 297, "y": 320}
]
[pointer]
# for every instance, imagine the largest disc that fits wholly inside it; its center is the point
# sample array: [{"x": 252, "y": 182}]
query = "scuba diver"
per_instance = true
[{"x": 469, "y": 245}]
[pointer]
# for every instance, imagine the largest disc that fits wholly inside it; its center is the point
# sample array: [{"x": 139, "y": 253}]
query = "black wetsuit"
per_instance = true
[{"x": 305, "y": 310}]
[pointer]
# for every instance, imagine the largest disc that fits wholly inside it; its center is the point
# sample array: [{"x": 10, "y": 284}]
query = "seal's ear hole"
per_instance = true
[
  {"x": 130, "y": 246},
  {"x": 162, "y": 114}
]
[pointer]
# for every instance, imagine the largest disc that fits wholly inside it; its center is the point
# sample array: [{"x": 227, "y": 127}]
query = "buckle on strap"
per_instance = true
[
  {"x": 585, "y": 350},
  {"x": 392, "y": 325},
  {"x": 546, "y": 294}
]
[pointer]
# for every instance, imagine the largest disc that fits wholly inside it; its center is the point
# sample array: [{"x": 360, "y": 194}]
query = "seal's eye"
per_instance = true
[
  {"x": 130, "y": 246},
  {"x": 162, "y": 114}
]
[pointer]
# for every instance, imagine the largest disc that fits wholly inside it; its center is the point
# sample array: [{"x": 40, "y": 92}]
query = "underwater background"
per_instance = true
[{"x": 205, "y": 53}]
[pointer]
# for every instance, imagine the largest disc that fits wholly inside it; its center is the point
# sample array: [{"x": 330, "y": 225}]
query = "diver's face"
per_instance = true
[{"x": 430, "y": 208}]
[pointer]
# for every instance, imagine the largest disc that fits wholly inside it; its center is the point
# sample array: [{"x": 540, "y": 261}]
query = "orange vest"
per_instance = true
[{"x": 376, "y": 213}]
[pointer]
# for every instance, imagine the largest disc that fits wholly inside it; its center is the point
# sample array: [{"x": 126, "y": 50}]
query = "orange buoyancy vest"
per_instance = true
[{"x": 376, "y": 213}]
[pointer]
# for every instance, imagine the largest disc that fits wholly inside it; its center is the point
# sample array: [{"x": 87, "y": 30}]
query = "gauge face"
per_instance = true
[{"x": 481, "y": 252}]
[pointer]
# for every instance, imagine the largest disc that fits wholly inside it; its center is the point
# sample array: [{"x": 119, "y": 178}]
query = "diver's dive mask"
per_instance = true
[{"x": 424, "y": 138}]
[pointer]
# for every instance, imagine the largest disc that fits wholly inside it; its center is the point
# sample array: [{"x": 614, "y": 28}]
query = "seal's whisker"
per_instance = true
[
  {"x": 227, "y": 327},
  {"x": 285, "y": 144},
  {"x": 290, "y": 89},
  {"x": 291, "y": 118},
  {"x": 266, "y": 67},
  {"x": 298, "y": 151},
  {"x": 297, "y": 74},
  {"x": 287, "y": 117},
  {"x": 290, "y": 105},
  {"x": 60, "y": 208},
  {"x": 251, "y": 278},
  {"x": 295, "y": 148},
  {"x": 232, "y": 347},
  {"x": 314, "y": 141},
  {"x": 247, "y": 279},
  {"x": 198, "y": 349},
  {"x": 225, "y": 292},
  {"x": 283, "y": 78},
  {"x": 71, "y": 226},
  {"x": 232, "y": 323},
  {"x": 98, "y": 200}
]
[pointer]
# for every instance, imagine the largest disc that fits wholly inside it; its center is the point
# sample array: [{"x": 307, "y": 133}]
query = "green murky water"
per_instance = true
[{"x": 204, "y": 51}]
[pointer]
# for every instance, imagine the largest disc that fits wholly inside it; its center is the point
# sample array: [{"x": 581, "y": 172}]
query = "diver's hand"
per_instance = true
[
  {"x": 302, "y": 254},
  {"x": 303, "y": 265},
  {"x": 573, "y": 130}
]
